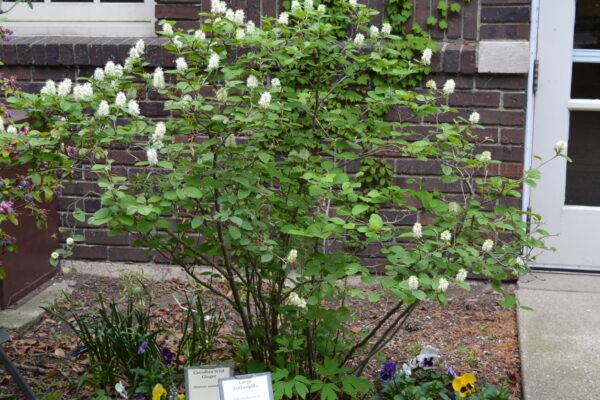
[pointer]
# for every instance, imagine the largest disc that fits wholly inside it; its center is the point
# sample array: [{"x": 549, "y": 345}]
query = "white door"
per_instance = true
[{"x": 567, "y": 108}]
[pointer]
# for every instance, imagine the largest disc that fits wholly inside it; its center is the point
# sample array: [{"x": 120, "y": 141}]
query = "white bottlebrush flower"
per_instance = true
[
  {"x": 454, "y": 207},
  {"x": 250, "y": 28},
  {"x": 519, "y": 261},
  {"x": 221, "y": 95},
  {"x": 374, "y": 31},
  {"x": 181, "y": 65},
  {"x": 427, "y": 357},
  {"x": 49, "y": 88},
  {"x": 417, "y": 230},
  {"x": 199, "y": 35},
  {"x": 352, "y": 3},
  {"x": 443, "y": 284},
  {"x": 239, "y": 16},
  {"x": 83, "y": 92},
  {"x": 129, "y": 61},
  {"x": 560, "y": 147},
  {"x": 431, "y": 84},
  {"x": 133, "y": 108},
  {"x": 488, "y": 245},
  {"x": 284, "y": 18},
  {"x": 152, "y": 156},
  {"x": 11, "y": 129},
  {"x": 322, "y": 8},
  {"x": 265, "y": 100},
  {"x": 167, "y": 29},
  {"x": 449, "y": 87},
  {"x": 276, "y": 84},
  {"x": 474, "y": 117},
  {"x": 230, "y": 141},
  {"x": 213, "y": 61},
  {"x": 177, "y": 43},
  {"x": 461, "y": 275},
  {"x": 99, "y": 74},
  {"x": 229, "y": 14},
  {"x": 297, "y": 301},
  {"x": 70, "y": 242},
  {"x": 446, "y": 236},
  {"x": 103, "y": 109},
  {"x": 485, "y": 156},
  {"x": 413, "y": 282},
  {"x": 218, "y": 7},
  {"x": 386, "y": 29},
  {"x": 240, "y": 34},
  {"x": 64, "y": 88},
  {"x": 109, "y": 68},
  {"x": 140, "y": 46},
  {"x": 158, "y": 78},
  {"x": 359, "y": 39},
  {"x": 426, "y": 56},
  {"x": 295, "y": 6},
  {"x": 252, "y": 82},
  {"x": 292, "y": 257},
  {"x": 121, "y": 99},
  {"x": 159, "y": 132},
  {"x": 133, "y": 53},
  {"x": 308, "y": 4},
  {"x": 54, "y": 255}
]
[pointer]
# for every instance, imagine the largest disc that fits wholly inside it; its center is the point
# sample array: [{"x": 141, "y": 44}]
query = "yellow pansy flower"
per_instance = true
[
  {"x": 181, "y": 396},
  {"x": 158, "y": 392},
  {"x": 464, "y": 384}
]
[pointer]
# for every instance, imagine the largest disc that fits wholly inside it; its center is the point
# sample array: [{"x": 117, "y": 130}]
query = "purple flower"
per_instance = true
[
  {"x": 167, "y": 355},
  {"x": 72, "y": 151},
  {"x": 28, "y": 197},
  {"x": 451, "y": 372},
  {"x": 388, "y": 371},
  {"x": 6, "y": 207},
  {"x": 143, "y": 347}
]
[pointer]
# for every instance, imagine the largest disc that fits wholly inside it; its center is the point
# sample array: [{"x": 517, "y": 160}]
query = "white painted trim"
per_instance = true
[
  {"x": 83, "y": 19},
  {"x": 528, "y": 157},
  {"x": 586, "y": 56},
  {"x": 88, "y": 29},
  {"x": 583, "y": 105}
]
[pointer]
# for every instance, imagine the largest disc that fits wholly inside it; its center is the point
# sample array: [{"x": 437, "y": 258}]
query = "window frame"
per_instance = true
[{"x": 83, "y": 19}]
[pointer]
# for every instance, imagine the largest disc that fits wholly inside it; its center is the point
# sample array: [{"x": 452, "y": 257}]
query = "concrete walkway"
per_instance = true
[{"x": 560, "y": 339}]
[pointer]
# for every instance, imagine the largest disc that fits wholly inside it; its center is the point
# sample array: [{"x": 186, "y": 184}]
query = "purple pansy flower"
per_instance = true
[
  {"x": 143, "y": 347},
  {"x": 167, "y": 355},
  {"x": 388, "y": 371}
]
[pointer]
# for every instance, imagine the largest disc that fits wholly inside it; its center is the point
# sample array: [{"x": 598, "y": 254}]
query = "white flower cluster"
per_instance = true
[
  {"x": 230, "y": 141},
  {"x": 487, "y": 246},
  {"x": 485, "y": 156},
  {"x": 83, "y": 92},
  {"x": 103, "y": 109},
  {"x": 199, "y": 35},
  {"x": 284, "y": 18},
  {"x": 292, "y": 257},
  {"x": 449, "y": 87},
  {"x": 252, "y": 82},
  {"x": 221, "y": 95},
  {"x": 218, "y": 7},
  {"x": 359, "y": 39},
  {"x": 417, "y": 230},
  {"x": 112, "y": 70},
  {"x": 133, "y": 108},
  {"x": 413, "y": 283},
  {"x": 276, "y": 84},
  {"x": 474, "y": 117},
  {"x": 177, "y": 42},
  {"x": 135, "y": 53},
  {"x": 560, "y": 147},
  {"x": 426, "y": 56},
  {"x": 461, "y": 275},
  {"x": 213, "y": 61},
  {"x": 352, "y": 3},
  {"x": 62, "y": 90},
  {"x": 158, "y": 78},
  {"x": 181, "y": 65},
  {"x": 431, "y": 85},
  {"x": 159, "y": 134},
  {"x": 152, "y": 156},
  {"x": 167, "y": 29},
  {"x": 443, "y": 284},
  {"x": 265, "y": 100},
  {"x": 120, "y": 100},
  {"x": 446, "y": 236},
  {"x": 297, "y": 301}
]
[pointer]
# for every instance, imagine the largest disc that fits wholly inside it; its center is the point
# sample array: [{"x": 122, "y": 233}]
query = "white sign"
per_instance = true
[
  {"x": 247, "y": 387},
  {"x": 202, "y": 383}
]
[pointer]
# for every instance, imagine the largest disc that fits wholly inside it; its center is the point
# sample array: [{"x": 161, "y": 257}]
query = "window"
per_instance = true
[{"x": 83, "y": 18}]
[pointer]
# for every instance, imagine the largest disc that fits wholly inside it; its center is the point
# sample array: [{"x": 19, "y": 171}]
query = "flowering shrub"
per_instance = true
[{"x": 251, "y": 182}]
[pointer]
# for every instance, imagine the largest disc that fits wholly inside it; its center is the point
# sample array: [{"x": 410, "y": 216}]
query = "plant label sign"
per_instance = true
[
  {"x": 247, "y": 387},
  {"x": 202, "y": 382}
]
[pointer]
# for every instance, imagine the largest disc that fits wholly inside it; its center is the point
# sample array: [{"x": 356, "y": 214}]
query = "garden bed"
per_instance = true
[{"x": 472, "y": 332}]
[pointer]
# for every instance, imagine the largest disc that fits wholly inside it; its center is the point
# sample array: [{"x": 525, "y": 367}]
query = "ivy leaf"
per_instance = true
[
  {"x": 455, "y": 7},
  {"x": 192, "y": 192},
  {"x": 375, "y": 222},
  {"x": 431, "y": 20},
  {"x": 79, "y": 215},
  {"x": 359, "y": 209}
]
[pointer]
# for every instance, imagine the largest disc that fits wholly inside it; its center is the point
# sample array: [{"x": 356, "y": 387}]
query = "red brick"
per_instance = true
[
  {"x": 128, "y": 254},
  {"x": 475, "y": 99},
  {"x": 514, "y": 100},
  {"x": 21, "y": 73},
  {"x": 507, "y": 82},
  {"x": 511, "y": 170},
  {"x": 84, "y": 252},
  {"x": 96, "y": 236},
  {"x": 504, "y": 31},
  {"x": 505, "y": 14},
  {"x": 512, "y": 136},
  {"x": 180, "y": 12},
  {"x": 470, "y": 20},
  {"x": 506, "y": 118}
]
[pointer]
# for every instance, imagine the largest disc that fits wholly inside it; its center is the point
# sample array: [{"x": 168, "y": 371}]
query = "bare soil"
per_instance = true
[{"x": 473, "y": 333}]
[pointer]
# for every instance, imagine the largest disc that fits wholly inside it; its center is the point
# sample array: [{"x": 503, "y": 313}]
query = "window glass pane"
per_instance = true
[
  {"x": 587, "y": 25},
  {"x": 585, "y": 83},
  {"x": 583, "y": 174}
]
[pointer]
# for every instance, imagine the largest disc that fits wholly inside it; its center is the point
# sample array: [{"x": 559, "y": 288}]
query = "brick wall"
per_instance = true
[{"x": 499, "y": 98}]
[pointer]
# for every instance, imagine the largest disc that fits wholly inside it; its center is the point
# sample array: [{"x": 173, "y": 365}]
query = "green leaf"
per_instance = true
[
  {"x": 192, "y": 192},
  {"x": 455, "y": 7},
  {"x": 353, "y": 385},
  {"x": 234, "y": 232},
  {"x": 509, "y": 301},
  {"x": 359, "y": 209},
  {"x": 79, "y": 215},
  {"x": 431, "y": 20},
  {"x": 375, "y": 222}
]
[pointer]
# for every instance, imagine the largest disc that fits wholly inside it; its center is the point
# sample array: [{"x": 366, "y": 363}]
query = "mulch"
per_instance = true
[{"x": 473, "y": 333}]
